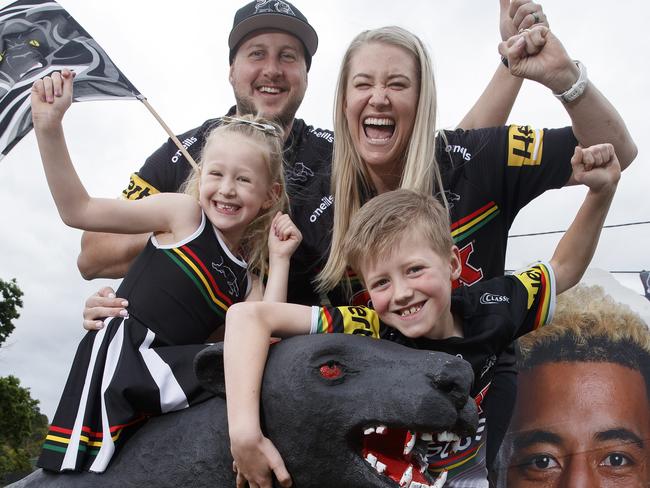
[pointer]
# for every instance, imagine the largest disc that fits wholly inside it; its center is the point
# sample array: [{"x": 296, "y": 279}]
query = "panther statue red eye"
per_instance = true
[{"x": 331, "y": 370}]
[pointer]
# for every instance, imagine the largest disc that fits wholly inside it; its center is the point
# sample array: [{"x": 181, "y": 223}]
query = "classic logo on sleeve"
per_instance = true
[
  {"x": 138, "y": 188},
  {"x": 525, "y": 146}
]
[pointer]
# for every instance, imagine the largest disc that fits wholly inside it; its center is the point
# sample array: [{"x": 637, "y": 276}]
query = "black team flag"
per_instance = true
[
  {"x": 39, "y": 37},
  {"x": 645, "y": 279}
]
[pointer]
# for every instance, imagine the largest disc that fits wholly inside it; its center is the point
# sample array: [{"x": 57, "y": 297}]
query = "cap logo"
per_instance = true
[{"x": 265, "y": 6}]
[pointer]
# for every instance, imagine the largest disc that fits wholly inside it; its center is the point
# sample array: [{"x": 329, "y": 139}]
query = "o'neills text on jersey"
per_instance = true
[
  {"x": 323, "y": 134},
  {"x": 459, "y": 149},
  {"x": 325, "y": 203},
  {"x": 186, "y": 143}
]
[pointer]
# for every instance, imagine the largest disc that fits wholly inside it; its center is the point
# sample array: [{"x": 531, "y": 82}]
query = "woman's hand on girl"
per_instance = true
[
  {"x": 51, "y": 97},
  {"x": 284, "y": 237}
]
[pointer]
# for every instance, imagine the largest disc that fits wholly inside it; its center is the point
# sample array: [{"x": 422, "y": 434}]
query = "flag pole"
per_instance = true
[{"x": 180, "y": 146}]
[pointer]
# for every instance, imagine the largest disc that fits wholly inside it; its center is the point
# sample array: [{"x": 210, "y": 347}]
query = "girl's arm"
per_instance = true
[
  {"x": 598, "y": 168},
  {"x": 50, "y": 99},
  {"x": 495, "y": 103},
  {"x": 249, "y": 328},
  {"x": 284, "y": 238}
]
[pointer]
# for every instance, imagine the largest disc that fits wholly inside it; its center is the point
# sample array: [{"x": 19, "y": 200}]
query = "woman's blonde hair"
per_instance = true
[
  {"x": 269, "y": 136},
  {"x": 350, "y": 178}
]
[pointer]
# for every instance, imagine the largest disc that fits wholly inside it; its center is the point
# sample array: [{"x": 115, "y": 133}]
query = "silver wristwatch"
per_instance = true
[{"x": 578, "y": 87}]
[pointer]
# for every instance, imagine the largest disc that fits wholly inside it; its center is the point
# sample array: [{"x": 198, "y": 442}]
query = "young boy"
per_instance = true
[{"x": 400, "y": 244}]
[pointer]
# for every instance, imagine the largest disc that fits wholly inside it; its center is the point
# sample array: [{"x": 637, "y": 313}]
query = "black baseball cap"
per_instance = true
[{"x": 272, "y": 14}]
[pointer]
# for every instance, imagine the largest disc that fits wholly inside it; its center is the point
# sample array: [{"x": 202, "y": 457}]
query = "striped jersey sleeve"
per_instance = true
[
  {"x": 138, "y": 188},
  {"x": 539, "y": 282},
  {"x": 347, "y": 320}
]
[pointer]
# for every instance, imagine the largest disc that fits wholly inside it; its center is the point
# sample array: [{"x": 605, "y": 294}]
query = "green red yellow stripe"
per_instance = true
[
  {"x": 59, "y": 437},
  {"x": 196, "y": 270},
  {"x": 546, "y": 299},
  {"x": 463, "y": 228},
  {"x": 226, "y": 299},
  {"x": 325, "y": 322},
  {"x": 452, "y": 462}
]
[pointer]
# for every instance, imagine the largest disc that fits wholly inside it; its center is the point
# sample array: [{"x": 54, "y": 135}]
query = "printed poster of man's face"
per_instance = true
[{"x": 582, "y": 416}]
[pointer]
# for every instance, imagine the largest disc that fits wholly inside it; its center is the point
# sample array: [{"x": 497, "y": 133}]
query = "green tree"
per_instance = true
[
  {"x": 22, "y": 428},
  {"x": 10, "y": 302}
]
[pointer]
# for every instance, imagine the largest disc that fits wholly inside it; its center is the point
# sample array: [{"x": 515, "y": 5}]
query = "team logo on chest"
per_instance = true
[
  {"x": 228, "y": 275},
  {"x": 469, "y": 274},
  {"x": 299, "y": 173}
]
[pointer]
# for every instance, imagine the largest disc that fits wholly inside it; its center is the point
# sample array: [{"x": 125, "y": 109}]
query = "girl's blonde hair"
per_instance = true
[
  {"x": 351, "y": 181},
  {"x": 269, "y": 137}
]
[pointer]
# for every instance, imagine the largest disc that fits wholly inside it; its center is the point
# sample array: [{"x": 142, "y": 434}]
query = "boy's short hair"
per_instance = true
[
  {"x": 589, "y": 326},
  {"x": 383, "y": 221}
]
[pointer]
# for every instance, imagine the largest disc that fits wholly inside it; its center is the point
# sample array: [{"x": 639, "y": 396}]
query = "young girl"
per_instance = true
[{"x": 180, "y": 286}]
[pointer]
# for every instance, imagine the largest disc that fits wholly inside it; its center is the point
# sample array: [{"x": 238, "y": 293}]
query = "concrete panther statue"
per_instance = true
[{"x": 342, "y": 410}]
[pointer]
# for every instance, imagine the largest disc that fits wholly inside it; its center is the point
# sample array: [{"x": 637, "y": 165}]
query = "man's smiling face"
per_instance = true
[{"x": 269, "y": 76}]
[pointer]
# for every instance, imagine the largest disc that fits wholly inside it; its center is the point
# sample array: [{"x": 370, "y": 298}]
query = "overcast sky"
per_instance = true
[{"x": 176, "y": 54}]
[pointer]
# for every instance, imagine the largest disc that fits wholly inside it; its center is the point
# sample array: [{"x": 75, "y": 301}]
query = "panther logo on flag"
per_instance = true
[{"x": 38, "y": 38}]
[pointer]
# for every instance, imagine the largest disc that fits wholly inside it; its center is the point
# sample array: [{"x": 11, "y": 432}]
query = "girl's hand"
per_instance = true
[
  {"x": 596, "y": 167},
  {"x": 51, "y": 97},
  {"x": 284, "y": 237},
  {"x": 256, "y": 461}
]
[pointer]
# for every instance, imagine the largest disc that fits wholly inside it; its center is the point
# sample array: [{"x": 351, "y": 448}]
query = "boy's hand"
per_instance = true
[
  {"x": 51, "y": 97},
  {"x": 596, "y": 167},
  {"x": 256, "y": 461},
  {"x": 284, "y": 237}
]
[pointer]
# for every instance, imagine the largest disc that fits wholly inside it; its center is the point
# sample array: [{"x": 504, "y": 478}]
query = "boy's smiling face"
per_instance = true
[{"x": 410, "y": 287}]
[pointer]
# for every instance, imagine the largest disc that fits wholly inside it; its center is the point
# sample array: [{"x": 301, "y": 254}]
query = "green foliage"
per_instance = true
[
  {"x": 10, "y": 302},
  {"x": 22, "y": 427}
]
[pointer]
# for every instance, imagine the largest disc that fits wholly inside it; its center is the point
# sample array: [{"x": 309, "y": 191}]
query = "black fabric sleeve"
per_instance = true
[
  {"x": 510, "y": 164},
  {"x": 166, "y": 169}
]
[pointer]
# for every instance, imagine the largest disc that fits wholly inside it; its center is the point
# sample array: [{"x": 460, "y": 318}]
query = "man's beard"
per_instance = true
[{"x": 246, "y": 106}]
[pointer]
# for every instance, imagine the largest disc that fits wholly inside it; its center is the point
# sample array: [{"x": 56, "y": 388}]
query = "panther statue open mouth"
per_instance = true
[{"x": 338, "y": 391}]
